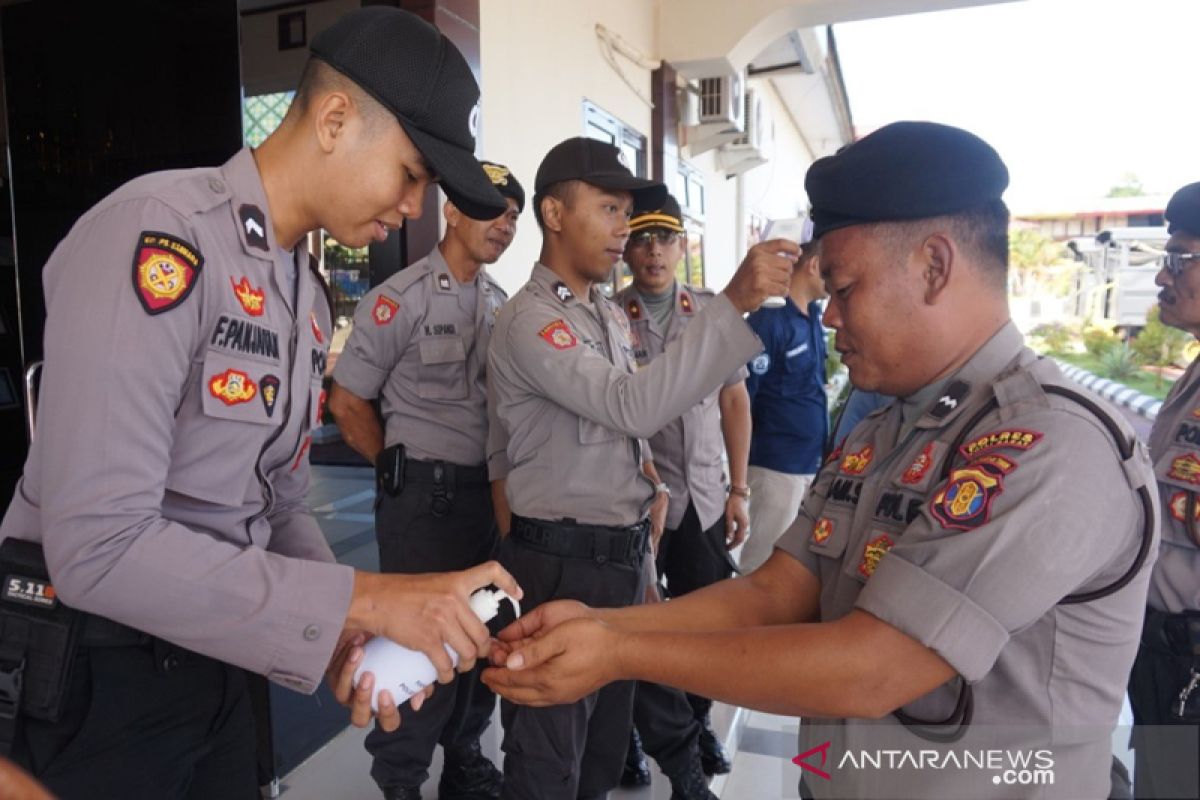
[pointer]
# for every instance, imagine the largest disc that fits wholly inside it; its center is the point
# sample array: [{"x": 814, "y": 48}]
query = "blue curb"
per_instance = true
[{"x": 1142, "y": 404}]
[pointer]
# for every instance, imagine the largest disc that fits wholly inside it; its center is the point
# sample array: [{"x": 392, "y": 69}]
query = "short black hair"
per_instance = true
[
  {"x": 319, "y": 77},
  {"x": 982, "y": 231},
  {"x": 563, "y": 191}
]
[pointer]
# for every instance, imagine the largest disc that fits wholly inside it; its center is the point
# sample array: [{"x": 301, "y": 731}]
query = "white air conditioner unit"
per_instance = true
[
  {"x": 756, "y": 145},
  {"x": 713, "y": 110}
]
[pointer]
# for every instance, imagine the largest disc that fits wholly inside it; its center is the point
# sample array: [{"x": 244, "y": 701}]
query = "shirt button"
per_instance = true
[
  {"x": 216, "y": 185},
  {"x": 312, "y": 633},
  {"x": 170, "y": 662}
]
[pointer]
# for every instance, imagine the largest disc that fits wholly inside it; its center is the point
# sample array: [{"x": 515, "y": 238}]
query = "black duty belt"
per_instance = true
[
  {"x": 451, "y": 475},
  {"x": 1179, "y": 633},
  {"x": 600, "y": 543}
]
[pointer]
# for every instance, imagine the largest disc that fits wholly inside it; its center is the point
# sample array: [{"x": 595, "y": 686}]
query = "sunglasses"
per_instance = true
[
  {"x": 644, "y": 238},
  {"x": 1176, "y": 263}
]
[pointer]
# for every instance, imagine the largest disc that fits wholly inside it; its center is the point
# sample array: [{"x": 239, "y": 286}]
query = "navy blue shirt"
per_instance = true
[{"x": 787, "y": 390}]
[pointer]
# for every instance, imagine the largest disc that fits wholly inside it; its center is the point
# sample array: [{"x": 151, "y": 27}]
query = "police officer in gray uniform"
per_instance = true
[
  {"x": 419, "y": 344},
  {"x": 976, "y": 558},
  {"x": 1164, "y": 688},
  {"x": 703, "y": 523},
  {"x": 185, "y": 345},
  {"x": 570, "y": 417}
]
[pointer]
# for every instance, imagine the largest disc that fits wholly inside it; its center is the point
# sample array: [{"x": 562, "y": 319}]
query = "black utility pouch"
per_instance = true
[
  {"x": 389, "y": 470},
  {"x": 38, "y": 634}
]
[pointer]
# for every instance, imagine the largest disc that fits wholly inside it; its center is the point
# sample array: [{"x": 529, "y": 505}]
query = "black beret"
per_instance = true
[
  {"x": 669, "y": 217},
  {"x": 1183, "y": 212},
  {"x": 421, "y": 77},
  {"x": 505, "y": 182},
  {"x": 903, "y": 171}
]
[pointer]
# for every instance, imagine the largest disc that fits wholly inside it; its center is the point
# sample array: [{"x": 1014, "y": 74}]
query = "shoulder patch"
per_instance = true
[
  {"x": 760, "y": 364},
  {"x": 965, "y": 502},
  {"x": 1178, "y": 505},
  {"x": 685, "y": 303},
  {"x": 385, "y": 310},
  {"x": 165, "y": 269},
  {"x": 1016, "y": 438},
  {"x": 559, "y": 335}
]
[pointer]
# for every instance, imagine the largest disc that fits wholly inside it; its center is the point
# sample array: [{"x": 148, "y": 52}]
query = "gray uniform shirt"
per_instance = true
[
  {"x": 168, "y": 476},
  {"x": 1175, "y": 448},
  {"x": 420, "y": 344},
  {"x": 688, "y": 450},
  {"x": 569, "y": 404},
  {"x": 1038, "y": 505}
]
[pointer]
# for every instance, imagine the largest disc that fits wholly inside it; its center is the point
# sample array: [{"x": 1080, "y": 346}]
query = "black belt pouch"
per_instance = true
[{"x": 38, "y": 634}]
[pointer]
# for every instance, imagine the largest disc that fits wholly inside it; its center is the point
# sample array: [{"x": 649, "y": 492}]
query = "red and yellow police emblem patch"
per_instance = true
[
  {"x": 1186, "y": 468},
  {"x": 873, "y": 553},
  {"x": 920, "y": 465},
  {"x": 559, "y": 335},
  {"x": 822, "y": 530},
  {"x": 165, "y": 269},
  {"x": 856, "y": 463},
  {"x": 965, "y": 502},
  {"x": 385, "y": 310},
  {"x": 252, "y": 300},
  {"x": 320, "y": 337},
  {"x": 1016, "y": 438},
  {"x": 634, "y": 309},
  {"x": 1196, "y": 413},
  {"x": 685, "y": 302},
  {"x": 1179, "y": 505},
  {"x": 232, "y": 387},
  {"x": 321, "y": 400}
]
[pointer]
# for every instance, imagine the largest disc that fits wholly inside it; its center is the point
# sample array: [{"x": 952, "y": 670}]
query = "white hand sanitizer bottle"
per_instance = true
[{"x": 405, "y": 672}]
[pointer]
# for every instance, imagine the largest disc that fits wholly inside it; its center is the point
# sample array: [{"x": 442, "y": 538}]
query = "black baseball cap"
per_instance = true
[
  {"x": 669, "y": 217},
  {"x": 421, "y": 77},
  {"x": 904, "y": 171},
  {"x": 600, "y": 164},
  {"x": 505, "y": 182}
]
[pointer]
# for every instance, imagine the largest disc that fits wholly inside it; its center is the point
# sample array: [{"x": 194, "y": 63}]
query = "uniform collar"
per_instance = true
[
  {"x": 549, "y": 280},
  {"x": 239, "y": 177},
  {"x": 444, "y": 281},
  {"x": 945, "y": 399}
]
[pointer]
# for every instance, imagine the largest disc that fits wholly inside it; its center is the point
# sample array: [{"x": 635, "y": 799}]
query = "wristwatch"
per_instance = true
[
  {"x": 662, "y": 488},
  {"x": 740, "y": 491}
]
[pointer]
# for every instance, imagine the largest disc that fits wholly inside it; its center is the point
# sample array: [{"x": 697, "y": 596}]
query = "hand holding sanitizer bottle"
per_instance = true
[{"x": 405, "y": 672}]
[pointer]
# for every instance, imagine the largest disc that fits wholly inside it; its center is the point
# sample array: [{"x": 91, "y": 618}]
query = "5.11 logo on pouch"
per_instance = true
[{"x": 30, "y": 591}]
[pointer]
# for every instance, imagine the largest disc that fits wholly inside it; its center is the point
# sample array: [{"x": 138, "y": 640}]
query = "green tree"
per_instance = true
[
  {"x": 1130, "y": 186},
  {"x": 1038, "y": 266}
]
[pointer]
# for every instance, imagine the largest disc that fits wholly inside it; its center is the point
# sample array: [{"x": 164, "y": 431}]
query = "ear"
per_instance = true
[
  {"x": 938, "y": 255},
  {"x": 330, "y": 117},
  {"x": 451, "y": 213},
  {"x": 552, "y": 213}
]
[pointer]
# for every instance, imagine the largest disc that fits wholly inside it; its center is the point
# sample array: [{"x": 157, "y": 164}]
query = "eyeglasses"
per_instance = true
[
  {"x": 644, "y": 238},
  {"x": 1176, "y": 263}
]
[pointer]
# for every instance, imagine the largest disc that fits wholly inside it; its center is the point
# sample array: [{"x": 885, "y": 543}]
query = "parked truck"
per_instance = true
[{"x": 1116, "y": 286}]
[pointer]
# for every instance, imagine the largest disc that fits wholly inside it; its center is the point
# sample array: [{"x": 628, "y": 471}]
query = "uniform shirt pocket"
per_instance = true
[
  {"x": 443, "y": 371},
  {"x": 239, "y": 390}
]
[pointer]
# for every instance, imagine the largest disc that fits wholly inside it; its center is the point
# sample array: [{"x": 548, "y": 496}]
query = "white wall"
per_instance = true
[{"x": 540, "y": 60}]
